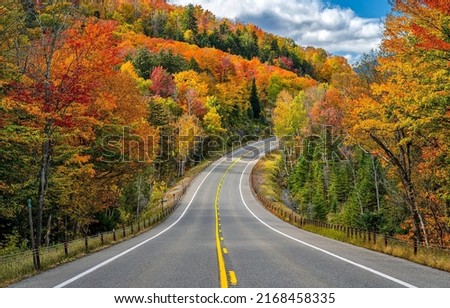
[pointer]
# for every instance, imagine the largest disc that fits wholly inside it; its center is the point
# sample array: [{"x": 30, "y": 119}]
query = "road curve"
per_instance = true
[{"x": 220, "y": 236}]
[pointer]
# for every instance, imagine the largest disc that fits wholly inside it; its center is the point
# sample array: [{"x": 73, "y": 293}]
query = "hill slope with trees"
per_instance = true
[{"x": 103, "y": 106}]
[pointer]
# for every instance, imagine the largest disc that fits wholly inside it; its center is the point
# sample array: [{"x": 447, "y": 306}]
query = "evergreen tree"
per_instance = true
[
  {"x": 340, "y": 185},
  {"x": 145, "y": 61},
  {"x": 189, "y": 21},
  {"x": 193, "y": 65},
  {"x": 319, "y": 203},
  {"x": 254, "y": 101},
  {"x": 155, "y": 23},
  {"x": 158, "y": 114}
]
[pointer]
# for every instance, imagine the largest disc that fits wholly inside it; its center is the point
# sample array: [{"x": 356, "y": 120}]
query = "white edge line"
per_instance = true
[
  {"x": 405, "y": 284},
  {"x": 94, "y": 268},
  {"x": 65, "y": 283}
]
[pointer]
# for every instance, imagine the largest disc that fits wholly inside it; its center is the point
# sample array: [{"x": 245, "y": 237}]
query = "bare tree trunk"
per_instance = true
[
  {"x": 49, "y": 230},
  {"x": 355, "y": 181},
  {"x": 43, "y": 185},
  {"x": 404, "y": 165},
  {"x": 138, "y": 208},
  {"x": 424, "y": 230},
  {"x": 411, "y": 198},
  {"x": 375, "y": 179}
]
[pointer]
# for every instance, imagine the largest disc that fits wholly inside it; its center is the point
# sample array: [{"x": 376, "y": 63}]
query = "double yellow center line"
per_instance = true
[
  {"x": 223, "y": 277},
  {"x": 220, "y": 252}
]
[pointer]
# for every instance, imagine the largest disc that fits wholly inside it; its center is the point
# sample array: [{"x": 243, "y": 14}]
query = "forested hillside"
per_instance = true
[{"x": 105, "y": 104}]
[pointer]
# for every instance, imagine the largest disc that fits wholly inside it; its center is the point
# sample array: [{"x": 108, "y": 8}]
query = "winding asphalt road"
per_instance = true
[{"x": 220, "y": 236}]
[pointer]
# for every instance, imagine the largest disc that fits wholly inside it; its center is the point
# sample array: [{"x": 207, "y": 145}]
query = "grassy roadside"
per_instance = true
[
  {"x": 19, "y": 266},
  {"x": 266, "y": 187}
]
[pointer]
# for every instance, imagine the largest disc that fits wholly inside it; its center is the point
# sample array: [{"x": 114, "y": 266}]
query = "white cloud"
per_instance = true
[{"x": 308, "y": 22}]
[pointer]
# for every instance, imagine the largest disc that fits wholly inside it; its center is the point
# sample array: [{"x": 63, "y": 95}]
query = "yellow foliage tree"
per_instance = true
[{"x": 404, "y": 115}]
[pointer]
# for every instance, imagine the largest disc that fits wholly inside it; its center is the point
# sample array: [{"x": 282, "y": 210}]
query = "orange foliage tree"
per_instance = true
[
  {"x": 65, "y": 65},
  {"x": 404, "y": 116}
]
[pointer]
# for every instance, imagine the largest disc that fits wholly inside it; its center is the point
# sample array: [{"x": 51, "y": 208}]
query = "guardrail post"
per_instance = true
[
  {"x": 36, "y": 259},
  {"x": 114, "y": 235},
  {"x": 66, "y": 249},
  {"x": 86, "y": 244}
]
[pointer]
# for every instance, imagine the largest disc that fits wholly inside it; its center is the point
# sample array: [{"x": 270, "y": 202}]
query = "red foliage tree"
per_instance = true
[{"x": 162, "y": 83}]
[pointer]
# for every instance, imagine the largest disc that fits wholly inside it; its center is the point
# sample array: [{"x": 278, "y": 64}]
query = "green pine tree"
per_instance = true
[
  {"x": 189, "y": 21},
  {"x": 254, "y": 101}
]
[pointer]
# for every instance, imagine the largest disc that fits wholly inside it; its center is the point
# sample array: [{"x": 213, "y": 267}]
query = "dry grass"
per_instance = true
[
  {"x": 17, "y": 267},
  {"x": 267, "y": 185}
]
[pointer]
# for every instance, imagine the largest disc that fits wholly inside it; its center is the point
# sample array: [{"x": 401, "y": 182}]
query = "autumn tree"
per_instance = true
[
  {"x": 163, "y": 114},
  {"x": 290, "y": 121},
  {"x": 289, "y": 115},
  {"x": 404, "y": 116},
  {"x": 63, "y": 68},
  {"x": 162, "y": 83},
  {"x": 188, "y": 141},
  {"x": 192, "y": 90},
  {"x": 212, "y": 121}
]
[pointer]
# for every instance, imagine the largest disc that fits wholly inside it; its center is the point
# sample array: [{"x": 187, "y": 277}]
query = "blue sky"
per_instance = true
[
  {"x": 342, "y": 27},
  {"x": 365, "y": 8}
]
